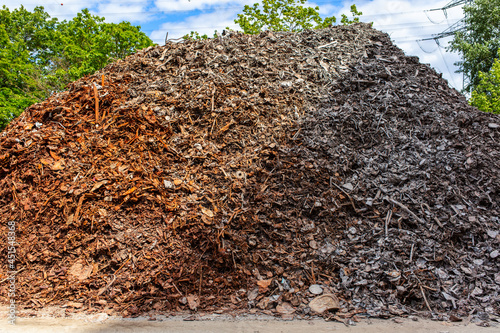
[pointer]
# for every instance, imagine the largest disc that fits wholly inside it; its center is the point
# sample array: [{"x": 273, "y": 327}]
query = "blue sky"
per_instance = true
[{"x": 406, "y": 21}]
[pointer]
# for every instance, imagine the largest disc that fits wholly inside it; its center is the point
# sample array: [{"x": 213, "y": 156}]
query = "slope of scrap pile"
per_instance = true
[{"x": 296, "y": 174}]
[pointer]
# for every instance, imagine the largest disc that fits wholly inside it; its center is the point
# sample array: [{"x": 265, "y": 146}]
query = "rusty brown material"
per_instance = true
[
  {"x": 96, "y": 96},
  {"x": 232, "y": 174}
]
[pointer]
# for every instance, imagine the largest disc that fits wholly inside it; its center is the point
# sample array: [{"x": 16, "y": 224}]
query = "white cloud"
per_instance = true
[
  {"x": 117, "y": 12},
  {"x": 62, "y": 9},
  {"x": 325, "y": 9},
  {"x": 113, "y": 10},
  {"x": 187, "y": 5},
  {"x": 205, "y": 23}
]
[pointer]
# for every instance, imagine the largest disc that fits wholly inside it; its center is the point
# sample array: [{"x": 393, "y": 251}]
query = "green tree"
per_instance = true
[
  {"x": 195, "y": 35},
  {"x": 355, "y": 16},
  {"x": 40, "y": 55},
  {"x": 479, "y": 41},
  {"x": 18, "y": 88},
  {"x": 486, "y": 96},
  {"x": 286, "y": 15},
  {"x": 87, "y": 44}
]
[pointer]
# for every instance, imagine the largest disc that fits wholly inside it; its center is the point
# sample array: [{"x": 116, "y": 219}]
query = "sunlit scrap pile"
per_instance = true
[{"x": 296, "y": 174}]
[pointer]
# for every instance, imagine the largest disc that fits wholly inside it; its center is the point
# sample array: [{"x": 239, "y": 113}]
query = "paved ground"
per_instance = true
[{"x": 103, "y": 324}]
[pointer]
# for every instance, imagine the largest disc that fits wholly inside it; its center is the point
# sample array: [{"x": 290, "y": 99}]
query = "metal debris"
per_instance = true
[{"x": 231, "y": 174}]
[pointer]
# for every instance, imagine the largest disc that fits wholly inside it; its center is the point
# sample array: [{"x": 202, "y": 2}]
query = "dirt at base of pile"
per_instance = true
[{"x": 283, "y": 173}]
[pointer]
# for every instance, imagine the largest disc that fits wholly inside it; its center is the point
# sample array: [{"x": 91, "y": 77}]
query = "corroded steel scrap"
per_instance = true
[{"x": 234, "y": 173}]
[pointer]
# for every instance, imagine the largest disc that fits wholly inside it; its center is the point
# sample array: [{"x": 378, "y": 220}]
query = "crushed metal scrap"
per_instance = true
[{"x": 297, "y": 174}]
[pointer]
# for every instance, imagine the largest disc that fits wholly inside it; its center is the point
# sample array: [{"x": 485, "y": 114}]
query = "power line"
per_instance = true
[
  {"x": 451, "y": 30},
  {"x": 409, "y": 25},
  {"x": 457, "y": 26},
  {"x": 448, "y": 68},
  {"x": 451, "y": 4}
]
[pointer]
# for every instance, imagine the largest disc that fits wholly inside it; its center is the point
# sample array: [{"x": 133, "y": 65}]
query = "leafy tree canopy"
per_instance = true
[
  {"x": 479, "y": 41},
  {"x": 19, "y": 87},
  {"x": 195, "y": 35},
  {"x": 40, "y": 55},
  {"x": 88, "y": 43},
  {"x": 282, "y": 15},
  {"x": 486, "y": 96},
  {"x": 286, "y": 15}
]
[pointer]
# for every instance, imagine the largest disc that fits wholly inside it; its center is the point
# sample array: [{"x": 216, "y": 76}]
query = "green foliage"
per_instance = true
[
  {"x": 486, "y": 96},
  {"x": 281, "y": 15},
  {"x": 194, "y": 35},
  {"x": 479, "y": 41},
  {"x": 12, "y": 105},
  {"x": 87, "y": 44},
  {"x": 18, "y": 88},
  {"x": 355, "y": 15},
  {"x": 40, "y": 55}
]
